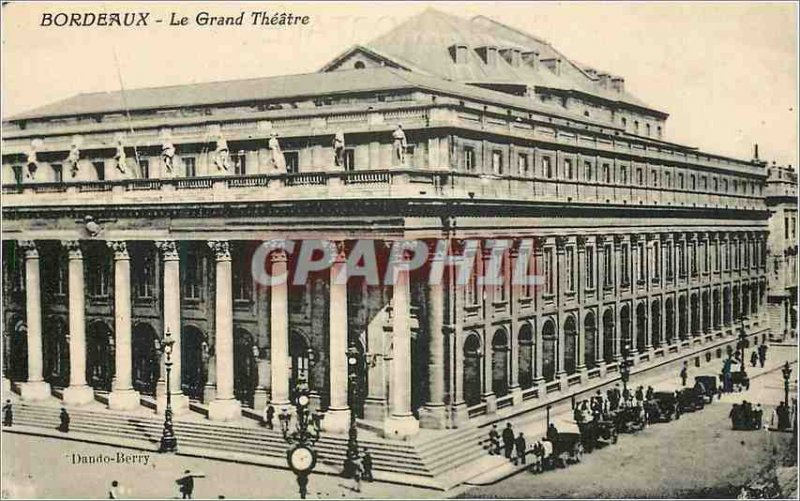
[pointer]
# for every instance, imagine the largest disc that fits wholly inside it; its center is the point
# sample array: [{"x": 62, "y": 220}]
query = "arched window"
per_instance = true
[{"x": 359, "y": 65}]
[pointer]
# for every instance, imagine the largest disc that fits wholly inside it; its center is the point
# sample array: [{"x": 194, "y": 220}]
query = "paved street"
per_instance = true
[
  {"x": 44, "y": 468},
  {"x": 696, "y": 456}
]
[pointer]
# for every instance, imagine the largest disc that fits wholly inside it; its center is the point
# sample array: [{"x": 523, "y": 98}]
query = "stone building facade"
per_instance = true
[
  {"x": 782, "y": 248},
  {"x": 124, "y": 224}
]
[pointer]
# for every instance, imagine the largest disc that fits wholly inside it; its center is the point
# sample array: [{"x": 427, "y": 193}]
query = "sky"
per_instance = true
[{"x": 725, "y": 72}]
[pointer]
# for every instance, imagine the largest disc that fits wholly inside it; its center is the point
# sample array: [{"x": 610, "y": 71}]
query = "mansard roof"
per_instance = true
[{"x": 424, "y": 43}]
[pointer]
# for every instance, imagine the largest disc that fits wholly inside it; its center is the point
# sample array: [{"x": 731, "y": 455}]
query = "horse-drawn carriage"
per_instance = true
[
  {"x": 628, "y": 419},
  {"x": 596, "y": 431},
  {"x": 662, "y": 407},
  {"x": 707, "y": 385},
  {"x": 562, "y": 449}
]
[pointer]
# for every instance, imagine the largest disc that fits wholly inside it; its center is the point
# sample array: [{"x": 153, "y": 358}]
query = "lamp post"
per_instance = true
[
  {"x": 169, "y": 442},
  {"x": 624, "y": 370},
  {"x": 355, "y": 364},
  {"x": 787, "y": 373},
  {"x": 742, "y": 343},
  {"x": 301, "y": 456}
]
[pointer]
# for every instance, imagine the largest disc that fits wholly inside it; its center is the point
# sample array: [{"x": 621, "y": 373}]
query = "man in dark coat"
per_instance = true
[
  {"x": 521, "y": 447},
  {"x": 269, "y": 415},
  {"x": 508, "y": 440},
  {"x": 684, "y": 374},
  {"x": 754, "y": 358},
  {"x": 186, "y": 483},
  {"x": 8, "y": 414},
  {"x": 762, "y": 354},
  {"x": 64, "y": 416},
  {"x": 366, "y": 463},
  {"x": 494, "y": 441}
]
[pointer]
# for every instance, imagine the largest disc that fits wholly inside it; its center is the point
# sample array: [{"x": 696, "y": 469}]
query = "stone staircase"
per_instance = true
[{"x": 432, "y": 462}]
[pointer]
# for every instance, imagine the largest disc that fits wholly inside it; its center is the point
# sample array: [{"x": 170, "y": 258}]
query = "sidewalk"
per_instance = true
[{"x": 497, "y": 468}]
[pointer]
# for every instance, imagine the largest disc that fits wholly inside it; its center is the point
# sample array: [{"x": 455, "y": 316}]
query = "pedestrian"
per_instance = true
[
  {"x": 684, "y": 374},
  {"x": 358, "y": 473},
  {"x": 8, "y": 414},
  {"x": 762, "y": 354},
  {"x": 186, "y": 483},
  {"x": 626, "y": 396},
  {"x": 552, "y": 433},
  {"x": 610, "y": 397},
  {"x": 753, "y": 358},
  {"x": 494, "y": 441},
  {"x": 617, "y": 396},
  {"x": 113, "y": 491},
  {"x": 366, "y": 463},
  {"x": 639, "y": 395},
  {"x": 269, "y": 415},
  {"x": 521, "y": 446},
  {"x": 649, "y": 394},
  {"x": 64, "y": 416},
  {"x": 508, "y": 440}
]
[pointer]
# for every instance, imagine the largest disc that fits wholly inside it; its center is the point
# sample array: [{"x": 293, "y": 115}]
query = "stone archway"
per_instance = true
[
  {"x": 682, "y": 324},
  {"x": 500, "y": 353},
  {"x": 669, "y": 321},
  {"x": 146, "y": 364},
  {"x": 245, "y": 367},
  {"x": 549, "y": 339},
  {"x": 694, "y": 302},
  {"x": 655, "y": 323},
  {"x": 472, "y": 369},
  {"x": 526, "y": 353},
  {"x": 193, "y": 374},
  {"x": 590, "y": 340},
  {"x": 99, "y": 356},
  {"x": 610, "y": 332},
  {"x": 570, "y": 345},
  {"x": 641, "y": 327},
  {"x": 716, "y": 308},
  {"x": 55, "y": 352},
  {"x": 706, "y": 317}
]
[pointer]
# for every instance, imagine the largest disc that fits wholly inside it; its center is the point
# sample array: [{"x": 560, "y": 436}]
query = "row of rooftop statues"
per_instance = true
[{"x": 220, "y": 156}]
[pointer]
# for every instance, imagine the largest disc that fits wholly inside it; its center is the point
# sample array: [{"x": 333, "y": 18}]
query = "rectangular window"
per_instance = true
[
  {"x": 522, "y": 164},
  {"x": 705, "y": 182},
  {"x": 497, "y": 162},
  {"x": 786, "y": 227},
  {"x": 717, "y": 256},
  {"x": 242, "y": 283},
  {"x": 144, "y": 169},
  {"x": 239, "y": 161},
  {"x": 670, "y": 264},
  {"x": 706, "y": 258},
  {"x": 99, "y": 280},
  {"x": 189, "y": 167},
  {"x": 349, "y": 160},
  {"x": 469, "y": 159},
  {"x": 623, "y": 175},
  {"x": 606, "y": 174},
  {"x": 548, "y": 270},
  {"x": 624, "y": 265},
  {"x": 693, "y": 182},
  {"x": 640, "y": 274},
  {"x": 680, "y": 180},
  {"x": 725, "y": 186},
  {"x": 656, "y": 261},
  {"x": 570, "y": 264},
  {"x": 144, "y": 275},
  {"x": 693, "y": 254},
  {"x": 193, "y": 276},
  {"x": 587, "y": 168},
  {"x": 716, "y": 184},
  {"x": 100, "y": 170},
  {"x": 667, "y": 180},
  {"x": 568, "y": 168},
  {"x": 654, "y": 176},
  {"x": 292, "y": 159},
  {"x": 608, "y": 271},
  {"x": 547, "y": 167},
  {"x": 58, "y": 173},
  {"x": 589, "y": 267},
  {"x": 681, "y": 262},
  {"x": 639, "y": 177}
]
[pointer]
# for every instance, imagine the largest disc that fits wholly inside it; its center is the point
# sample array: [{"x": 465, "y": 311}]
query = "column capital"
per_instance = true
[
  {"x": 618, "y": 240},
  {"x": 73, "y": 248},
  {"x": 337, "y": 250},
  {"x": 600, "y": 239},
  {"x": 635, "y": 237},
  {"x": 276, "y": 249},
  {"x": 29, "y": 246},
  {"x": 120, "y": 248},
  {"x": 539, "y": 242},
  {"x": 221, "y": 249},
  {"x": 581, "y": 241},
  {"x": 399, "y": 249},
  {"x": 168, "y": 248},
  {"x": 561, "y": 241}
]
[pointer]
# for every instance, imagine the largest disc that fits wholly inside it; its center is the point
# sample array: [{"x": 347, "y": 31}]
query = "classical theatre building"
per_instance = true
[{"x": 127, "y": 216}]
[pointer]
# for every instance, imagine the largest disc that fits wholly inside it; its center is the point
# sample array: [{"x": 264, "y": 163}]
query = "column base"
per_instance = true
[
  {"x": 400, "y": 427},
  {"x": 123, "y": 400},
  {"x": 37, "y": 390},
  {"x": 78, "y": 395},
  {"x": 459, "y": 415},
  {"x": 491, "y": 403},
  {"x": 225, "y": 410},
  {"x": 433, "y": 416},
  {"x": 209, "y": 393},
  {"x": 375, "y": 409},
  {"x": 180, "y": 404},
  {"x": 336, "y": 420},
  {"x": 6, "y": 385},
  {"x": 259, "y": 399},
  {"x": 516, "y": 395}
]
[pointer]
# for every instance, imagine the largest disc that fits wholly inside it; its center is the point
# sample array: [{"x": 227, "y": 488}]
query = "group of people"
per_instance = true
[
  {"x": 362, "y": 468},
  {"x": 599, "y": 406},
  {"x": 745, "y": 416},
  {"x": 514, "y": 445},
  {"x": 8, "y": 417}
]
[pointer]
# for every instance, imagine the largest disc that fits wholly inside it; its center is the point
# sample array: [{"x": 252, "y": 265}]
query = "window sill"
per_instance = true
[
  {"x": 589, "y": 290},
  {"x": 548, "y": 297},
  {"x": 472, "y": 308},
  {"x": 500, "y": 304}
]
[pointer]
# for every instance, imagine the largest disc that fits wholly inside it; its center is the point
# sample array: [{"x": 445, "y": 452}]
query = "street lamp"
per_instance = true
[
  {"x": 624, "y": 370},
  {"x": 169, "y": 442},
  {"x": 787, "y": 373},
  {"x": 742, "y": 342},
  {"x": 301, "y": 456},
  {"x": 354, "y": 363}
]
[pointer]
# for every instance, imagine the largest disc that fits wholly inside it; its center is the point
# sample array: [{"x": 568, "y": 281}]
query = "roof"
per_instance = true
[
  {"x": 436, "y": 32},
  {"x": 231, "y": 91}
]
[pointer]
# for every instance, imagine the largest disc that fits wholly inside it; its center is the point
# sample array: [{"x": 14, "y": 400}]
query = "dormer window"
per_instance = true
[{"x": 458, "y": 52}]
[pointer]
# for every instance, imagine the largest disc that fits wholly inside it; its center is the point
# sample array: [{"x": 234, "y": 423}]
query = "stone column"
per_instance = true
[
  {"x": 78, "y": 392},
  {"x": 538, "y": 377},
  {"x": 172, "y": 323},
  {"x": 35, "y": 388},
  {"x": 337, "y": 417},
  {"x": 123, "y": 396},
  {"x": 224, "y": 407},
  {"x": 279, "y": 332},
  {"x": 433, "y": 415},
  {"x": 401, "y": 423}
]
